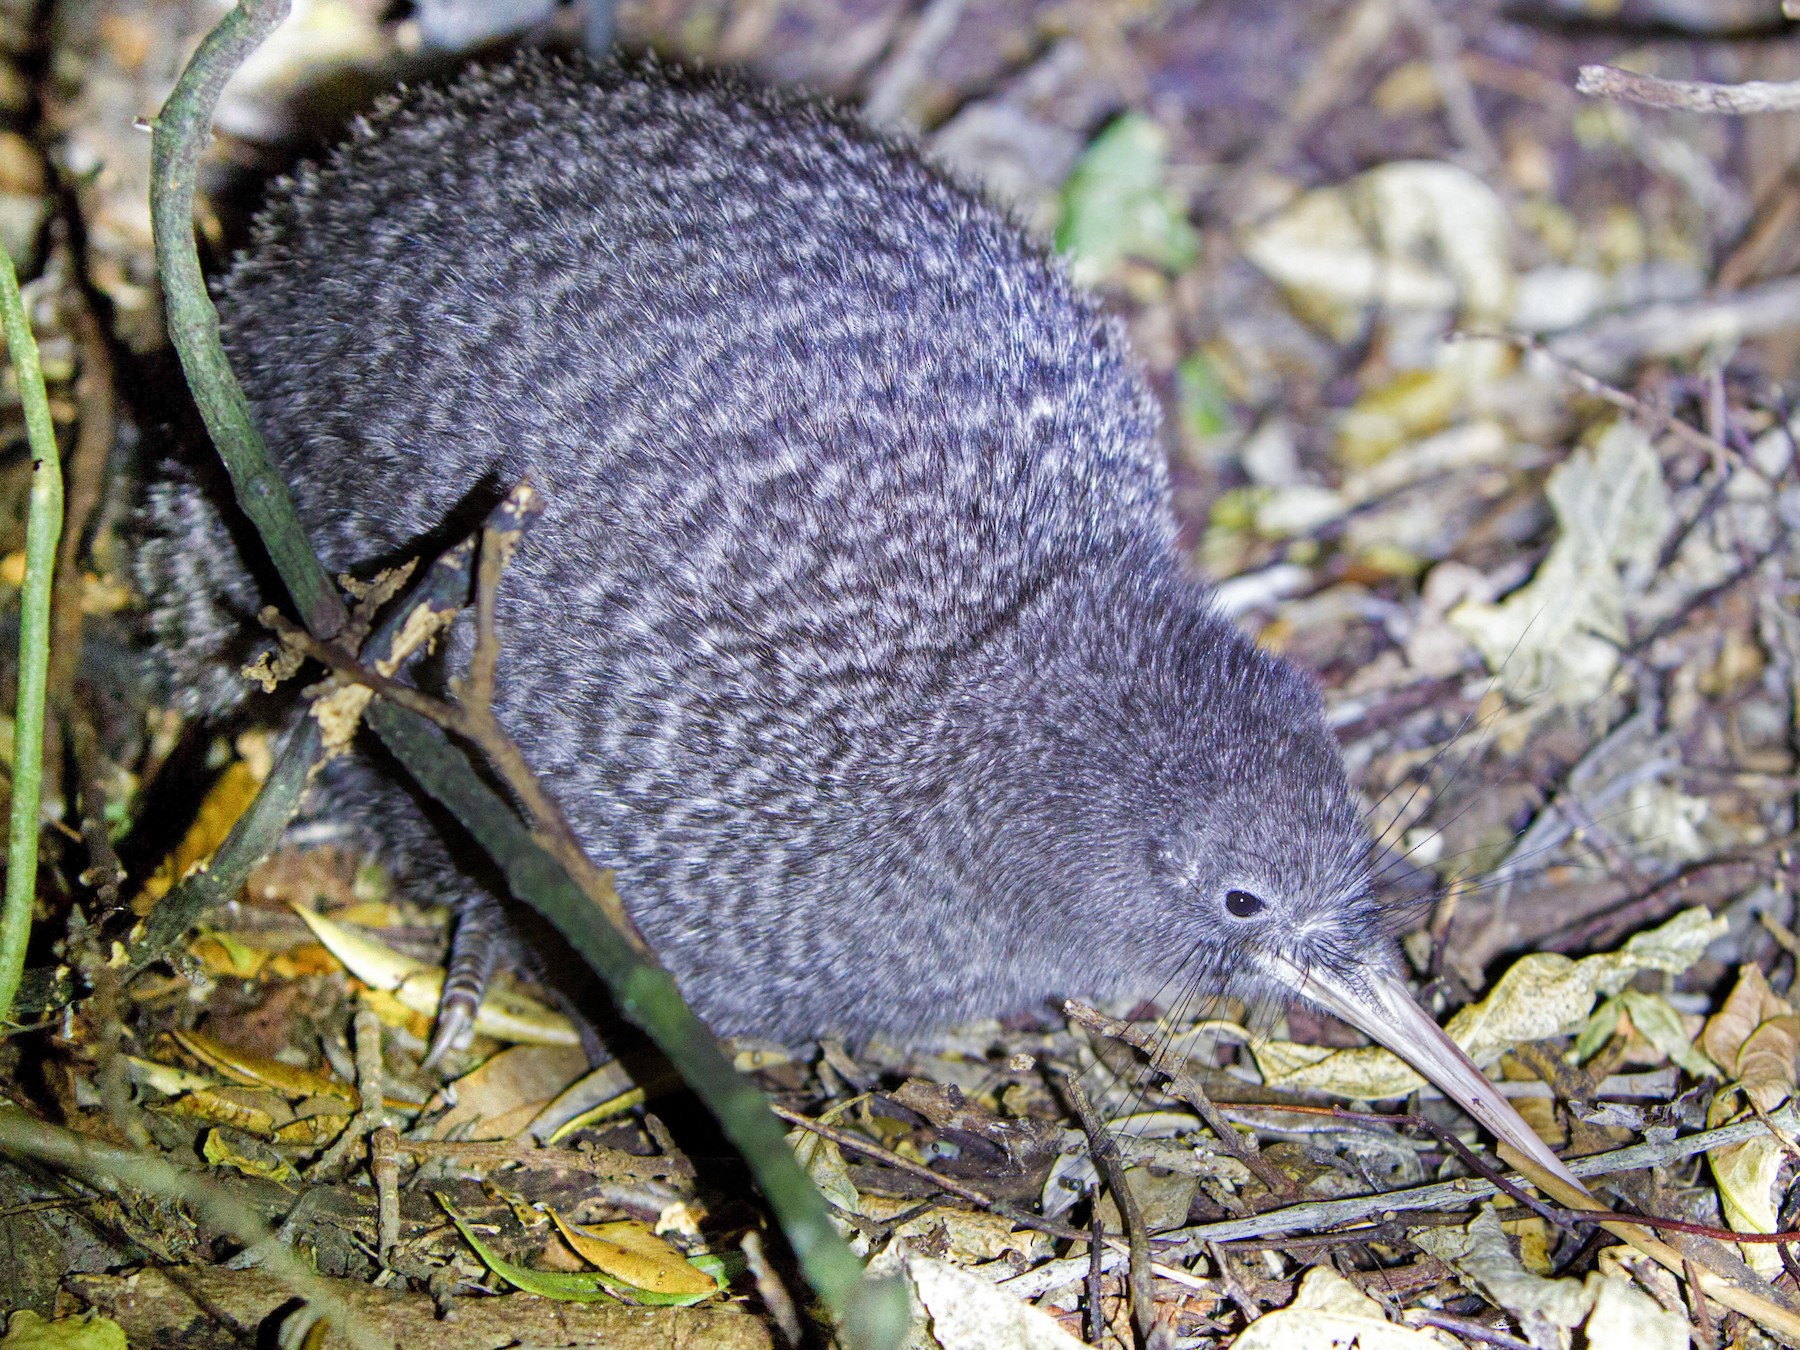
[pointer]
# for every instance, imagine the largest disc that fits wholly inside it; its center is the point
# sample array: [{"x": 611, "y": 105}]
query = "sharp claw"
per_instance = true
[
  {"x": 473, "y": 949},
  {"x": 455, "y": 1028}
]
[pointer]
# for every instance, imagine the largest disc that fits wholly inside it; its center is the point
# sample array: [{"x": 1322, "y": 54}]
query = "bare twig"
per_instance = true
[
  {"x": 1096, "y": 1312},
  {"x": 497, "y": 548},
  {"x": 1734, "y": 100},
  {"x": 104, "y": 871},
  {"x": 1704, "y": 1334},
  {"x": 613, "y": 1164},
  {"x": 1362, "y": 32},
  {"x": 774, "y": 1293},
  {"x": 369, "y": 1116},
  {"x": 1469, "y": 1159},
  {"x": 1465, "y": 1327},
  {"x": 1319, "y": 1215},
  {"x": 384, "y": 1171},
  {"x": 85, "y": 474},
  {"x": 1443, "y": 43},
  {"x": 1234, "y": 1287},
  {"x": 1241, "y": 1146},
  {"x": 898, "y": 81},
  {"x": 1111, "y": 1166},
  {"x": 1656, "y": 419},
  {"x": 473, "y": 718},
  {"x": 1674, "y": 328}
]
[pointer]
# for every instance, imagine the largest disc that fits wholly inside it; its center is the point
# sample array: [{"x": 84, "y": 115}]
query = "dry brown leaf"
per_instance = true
[
  {"x": 1753, "y": 1038},
  {"x": 502, "y": 1097}
]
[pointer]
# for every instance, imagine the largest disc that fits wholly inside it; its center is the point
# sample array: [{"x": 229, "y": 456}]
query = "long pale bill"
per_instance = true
[{"x": 1381, "y": 1007}]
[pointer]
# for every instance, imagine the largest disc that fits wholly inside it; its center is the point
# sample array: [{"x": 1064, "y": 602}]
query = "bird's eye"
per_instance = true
[{"x": 1242, "y": 904}]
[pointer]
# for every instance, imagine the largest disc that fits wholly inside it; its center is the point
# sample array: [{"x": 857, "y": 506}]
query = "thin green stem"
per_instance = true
[
  {"x": 182, "y": 132},
  {"x": 43, "y": 528}
]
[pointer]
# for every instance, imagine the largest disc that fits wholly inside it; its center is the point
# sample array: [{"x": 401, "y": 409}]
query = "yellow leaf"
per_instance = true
[
  {"x": 223, "y": 954},
  {"x": 254, "y": 1162},
  {"x": 28, "y": 1331},
  {"x": 224, "y": 803},
  {"x": 253, "y": 1070},
  {"x": 253, "y": 1112},
  {"x": 545, "y": 1283},
  {"x": 630, "y": 1252},
  {"x": 309, "y": 958},
  {"x": 1411, "y": 404},
  {"x": 504, "y": 1014}
]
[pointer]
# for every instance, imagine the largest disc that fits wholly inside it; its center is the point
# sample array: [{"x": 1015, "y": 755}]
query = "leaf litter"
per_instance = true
[{"x": 1476, "y": 550}]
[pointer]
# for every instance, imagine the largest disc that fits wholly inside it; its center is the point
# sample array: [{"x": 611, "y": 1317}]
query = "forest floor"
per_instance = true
[{"x": 1476, "y": 393}]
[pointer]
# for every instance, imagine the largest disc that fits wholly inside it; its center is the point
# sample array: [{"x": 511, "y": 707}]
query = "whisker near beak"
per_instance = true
[{"x": 1381, "y": 1007}]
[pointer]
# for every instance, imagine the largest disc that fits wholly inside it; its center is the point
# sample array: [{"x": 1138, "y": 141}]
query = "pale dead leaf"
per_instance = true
[
  {"x": 1626, "y": 1318},
  {"x": 1410, "y": 235},
  {"x": 1612, "y": 1312},
  {"x": 1330, "y": 1311},
  {"x": 1480, "y": 1254},
  {"x": 1753, "y": 1038},
  {"x": 969, "y": 1313},
  {"x": 1557, "y": 638},
  {"x": 824, "y": 1163}
]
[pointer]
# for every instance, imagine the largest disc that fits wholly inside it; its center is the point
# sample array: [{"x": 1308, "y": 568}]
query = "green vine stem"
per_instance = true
[
  {"x": 43, "y": 527},
  {"x": 182, "y": 132}
]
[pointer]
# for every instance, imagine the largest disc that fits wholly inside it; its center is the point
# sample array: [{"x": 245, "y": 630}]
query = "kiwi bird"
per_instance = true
[{"x": 854, "y": 636}]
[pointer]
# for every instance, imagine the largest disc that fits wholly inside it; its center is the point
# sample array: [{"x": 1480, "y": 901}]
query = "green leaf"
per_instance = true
[
  {"x": 1116, "y": 205},
  {"x": 1655, "y": 1017},
  {"x": 1595, "y": 1032},
  {"x": 566, "y": 1288},
  {"x": 1200, "y": 399}
]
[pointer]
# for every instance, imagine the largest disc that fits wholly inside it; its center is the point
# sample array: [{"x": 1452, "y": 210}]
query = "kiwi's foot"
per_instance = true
[{"x": 475, "y": 947}]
